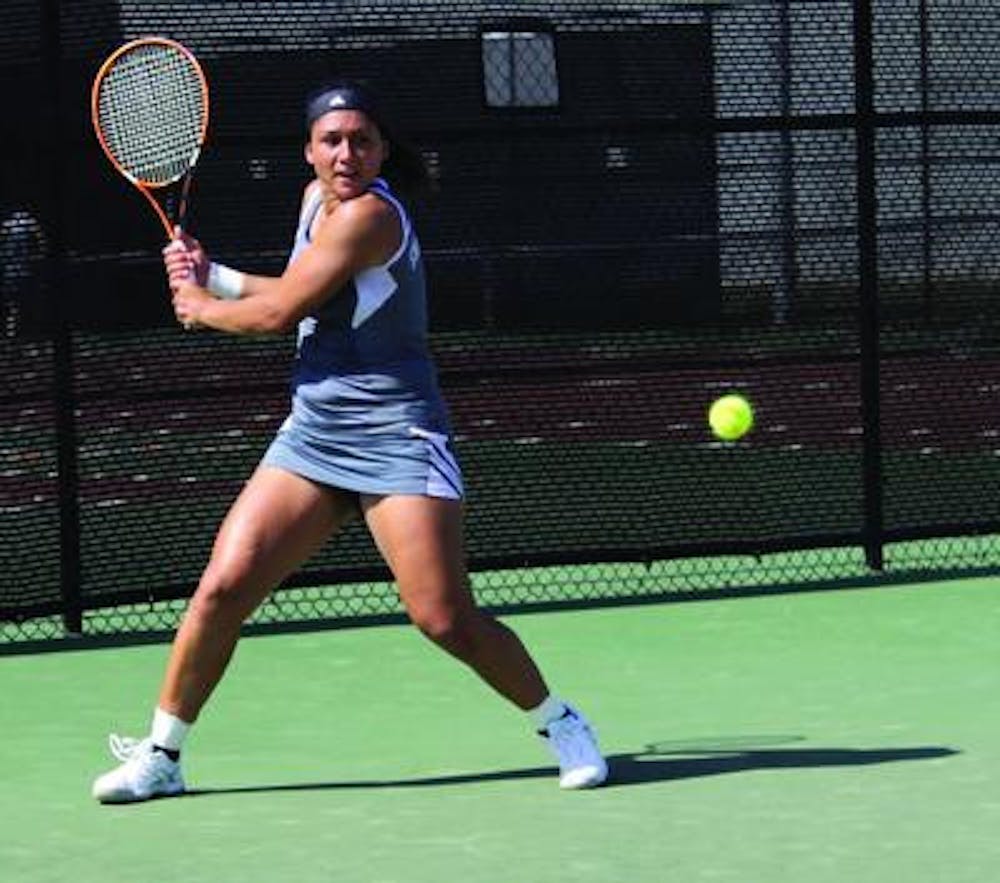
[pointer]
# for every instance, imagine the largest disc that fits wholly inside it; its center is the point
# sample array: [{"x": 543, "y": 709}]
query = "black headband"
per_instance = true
[{"x": 341, "y": 98}]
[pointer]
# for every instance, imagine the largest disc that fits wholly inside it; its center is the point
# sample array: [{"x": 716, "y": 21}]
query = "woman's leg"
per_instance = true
[
  {"x": 422, "y": 541},
  {"x": 278, "y": 520}
]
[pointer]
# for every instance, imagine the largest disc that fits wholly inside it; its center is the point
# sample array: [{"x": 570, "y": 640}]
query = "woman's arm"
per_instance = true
[{"x": 360, "y": 233}]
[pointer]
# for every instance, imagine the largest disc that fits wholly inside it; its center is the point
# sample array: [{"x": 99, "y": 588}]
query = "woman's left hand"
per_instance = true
[{"x": 189, "y": 301}]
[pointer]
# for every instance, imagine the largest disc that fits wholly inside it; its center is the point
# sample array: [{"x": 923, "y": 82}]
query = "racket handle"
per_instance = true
[{"x": 177, "y": 245}]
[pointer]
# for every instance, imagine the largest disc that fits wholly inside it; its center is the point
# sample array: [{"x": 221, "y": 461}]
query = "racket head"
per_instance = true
[{"x": 150, "y": 107}]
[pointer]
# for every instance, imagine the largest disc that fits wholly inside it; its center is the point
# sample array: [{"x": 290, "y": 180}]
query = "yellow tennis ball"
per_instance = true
[{"x": 731, "y": 417}]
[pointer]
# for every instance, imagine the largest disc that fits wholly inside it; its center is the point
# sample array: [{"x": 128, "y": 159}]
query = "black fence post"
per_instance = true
[
  {"x": 925, "y": 166},
  {"x": 63, "y": 391},
  {"x": 782, "y": 308},
  {"x": 868, "y": 294}
]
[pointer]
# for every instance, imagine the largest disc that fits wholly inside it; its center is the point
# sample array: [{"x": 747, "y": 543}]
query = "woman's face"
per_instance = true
[{"x": 346, "y": 150}]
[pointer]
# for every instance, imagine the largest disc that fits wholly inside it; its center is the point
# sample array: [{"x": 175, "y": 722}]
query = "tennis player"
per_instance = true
[{"x": 368, "y": 434}]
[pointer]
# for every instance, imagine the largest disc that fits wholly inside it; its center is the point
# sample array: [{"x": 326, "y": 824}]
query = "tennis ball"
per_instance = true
[{"x": 731, "y": 417}]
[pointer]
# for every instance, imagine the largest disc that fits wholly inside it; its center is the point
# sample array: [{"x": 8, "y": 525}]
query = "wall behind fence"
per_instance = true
[{"x": 640, "y": 206}]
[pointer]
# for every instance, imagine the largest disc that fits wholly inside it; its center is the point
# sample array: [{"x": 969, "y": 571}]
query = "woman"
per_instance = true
[{"x": 368, "y": 432}]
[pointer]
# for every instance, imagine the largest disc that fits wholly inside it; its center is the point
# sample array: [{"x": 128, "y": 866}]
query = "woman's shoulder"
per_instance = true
[
  {"x": 369, "y": 223},
  {"x": 366, "y": 207}
]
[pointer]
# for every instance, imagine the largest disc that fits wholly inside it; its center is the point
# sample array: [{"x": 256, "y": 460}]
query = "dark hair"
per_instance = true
[{"x": 405, "y": 168}]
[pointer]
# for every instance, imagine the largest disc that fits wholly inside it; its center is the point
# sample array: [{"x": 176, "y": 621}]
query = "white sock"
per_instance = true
[
  {"x": 550, "y": 710},
  {"x": 168, "y": 731}
]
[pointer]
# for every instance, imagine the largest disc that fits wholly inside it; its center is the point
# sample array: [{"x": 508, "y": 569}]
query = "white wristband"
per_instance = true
[{"x": 225, "y": 282}]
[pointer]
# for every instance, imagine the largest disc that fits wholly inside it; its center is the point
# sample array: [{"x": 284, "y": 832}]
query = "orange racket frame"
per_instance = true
[{"x": 146, "y": 188}]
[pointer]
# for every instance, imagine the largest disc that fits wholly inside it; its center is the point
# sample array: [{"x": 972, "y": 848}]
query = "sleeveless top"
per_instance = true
[{"x": 362, "y": 364}]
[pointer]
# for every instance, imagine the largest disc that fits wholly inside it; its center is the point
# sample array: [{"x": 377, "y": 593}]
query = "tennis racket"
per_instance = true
[{"x": 149, "y": 105}]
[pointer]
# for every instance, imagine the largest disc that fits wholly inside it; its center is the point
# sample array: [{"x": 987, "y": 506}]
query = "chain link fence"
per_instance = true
[{"x": 640, "y": 206}]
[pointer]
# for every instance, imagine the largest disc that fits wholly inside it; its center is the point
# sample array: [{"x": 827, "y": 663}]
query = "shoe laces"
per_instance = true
[
  {"x": 125, "y": 748},
  {"x": 571, "y": 738}
]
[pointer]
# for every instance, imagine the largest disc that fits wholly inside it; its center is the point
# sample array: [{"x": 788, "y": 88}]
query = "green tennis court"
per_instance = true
[{"x": 825, "y": 736}]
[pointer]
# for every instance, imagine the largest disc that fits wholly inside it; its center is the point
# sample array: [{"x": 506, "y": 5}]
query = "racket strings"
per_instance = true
[{"x": 150, "y": 109}]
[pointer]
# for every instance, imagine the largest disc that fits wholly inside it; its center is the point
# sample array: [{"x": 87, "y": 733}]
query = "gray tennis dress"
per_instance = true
[{"x": 367, "y": 413}]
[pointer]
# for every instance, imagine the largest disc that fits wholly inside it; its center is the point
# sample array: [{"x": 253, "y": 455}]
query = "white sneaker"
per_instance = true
[
  {"x": 573, "y": 742},
  {"x": 144, "y": 773}
]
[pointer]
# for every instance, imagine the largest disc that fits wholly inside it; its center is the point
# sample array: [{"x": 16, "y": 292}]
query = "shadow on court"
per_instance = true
[
  {"x": 652, "y": 765},
  {"x": 634, "y": 769}
]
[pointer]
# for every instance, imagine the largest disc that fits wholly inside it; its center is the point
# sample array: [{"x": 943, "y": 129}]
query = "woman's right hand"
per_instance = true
[{"x": 185, "y": 260}]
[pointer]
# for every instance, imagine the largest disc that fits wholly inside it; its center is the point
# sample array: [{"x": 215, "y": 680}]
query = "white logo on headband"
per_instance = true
[{"x": 337, "y": 101}]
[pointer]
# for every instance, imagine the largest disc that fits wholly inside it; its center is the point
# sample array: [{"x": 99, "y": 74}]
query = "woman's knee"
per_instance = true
[
  {"x": 224, "y": 596},
  {"x": 460, "y": 631}
]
